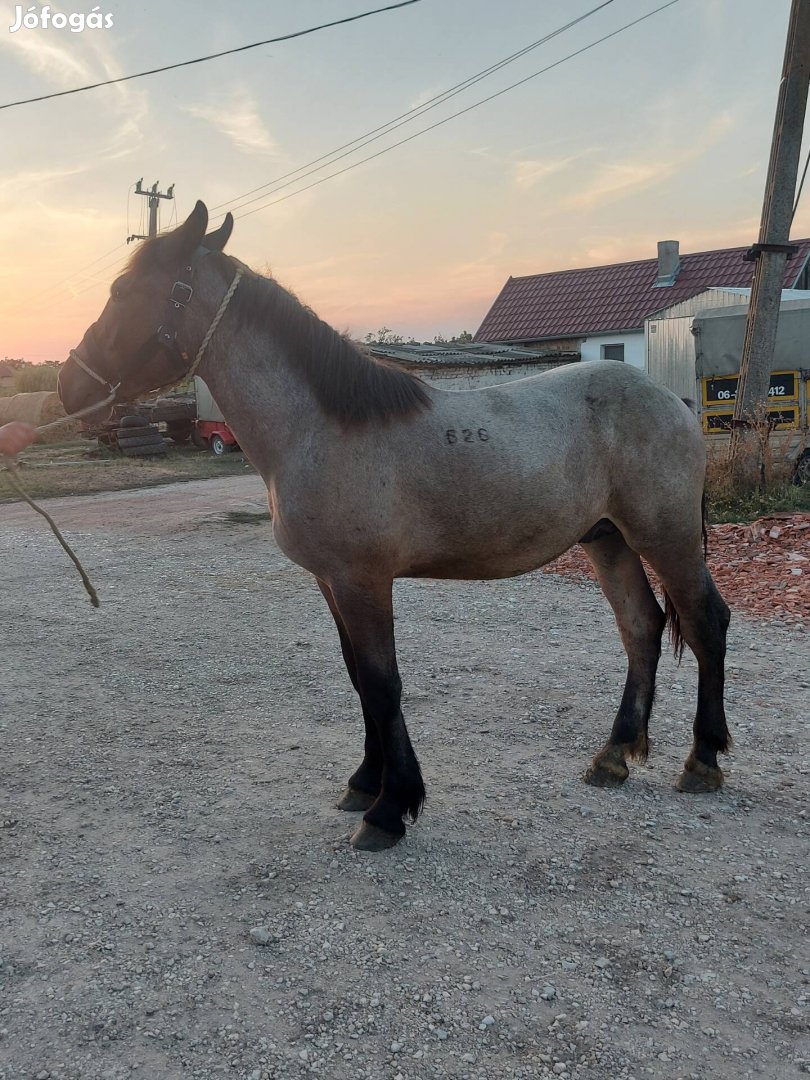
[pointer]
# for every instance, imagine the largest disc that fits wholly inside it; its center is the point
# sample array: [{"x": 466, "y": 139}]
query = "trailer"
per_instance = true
[
  {"x": 694, "y": 349},
  {"x": 210, "y": 427}
]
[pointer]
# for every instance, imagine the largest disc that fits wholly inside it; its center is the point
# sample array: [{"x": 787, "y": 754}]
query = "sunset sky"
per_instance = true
[{"x": 662, "y": 132}]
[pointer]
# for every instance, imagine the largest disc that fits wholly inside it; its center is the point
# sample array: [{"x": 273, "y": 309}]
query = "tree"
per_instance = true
[
  {"x": 384, "y": 336},
  {"x": 464, "y": 338}
]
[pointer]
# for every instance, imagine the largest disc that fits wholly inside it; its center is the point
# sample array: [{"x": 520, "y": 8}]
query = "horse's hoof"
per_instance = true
[
  {"x": 371, "y": 838},
  {"x": 353, "y": 800},
  {"x": 607, "y": 771},
  {"x": 698, "y": 779}
]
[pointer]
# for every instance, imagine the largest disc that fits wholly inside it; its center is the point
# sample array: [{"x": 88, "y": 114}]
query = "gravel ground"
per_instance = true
[{"x": 179, "y": 898}]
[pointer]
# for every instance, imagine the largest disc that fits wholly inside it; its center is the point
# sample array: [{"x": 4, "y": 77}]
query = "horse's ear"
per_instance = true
[
  {"x": 186, "y": 238},
  {"x": 216, "y": 240}
]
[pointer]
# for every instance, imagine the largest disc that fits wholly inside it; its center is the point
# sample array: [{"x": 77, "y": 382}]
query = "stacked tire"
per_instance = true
[{"x": 138, "y": 438}]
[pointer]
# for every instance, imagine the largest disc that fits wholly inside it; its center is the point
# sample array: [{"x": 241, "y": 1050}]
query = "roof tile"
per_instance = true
[{"x": 605, "y": 299}]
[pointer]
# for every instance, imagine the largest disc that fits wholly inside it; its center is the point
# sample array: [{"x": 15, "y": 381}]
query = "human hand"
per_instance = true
[{"x": 15, "y": 437}]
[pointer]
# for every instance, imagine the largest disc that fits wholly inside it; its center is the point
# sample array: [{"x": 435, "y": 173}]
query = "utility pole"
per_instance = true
[
  {"x": 154, "y": 196},
  {"x": 772, "y": 251}
]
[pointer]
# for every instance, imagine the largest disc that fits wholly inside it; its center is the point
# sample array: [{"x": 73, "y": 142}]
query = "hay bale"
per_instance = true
[{"x": 40, "y": 407}]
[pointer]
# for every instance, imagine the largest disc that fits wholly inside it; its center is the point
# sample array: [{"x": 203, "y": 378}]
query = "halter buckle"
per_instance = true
[{"x": 181, "y": 299}]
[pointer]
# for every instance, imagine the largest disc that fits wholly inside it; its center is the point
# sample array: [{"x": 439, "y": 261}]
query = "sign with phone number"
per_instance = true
[{"x": 721, "y": 389}]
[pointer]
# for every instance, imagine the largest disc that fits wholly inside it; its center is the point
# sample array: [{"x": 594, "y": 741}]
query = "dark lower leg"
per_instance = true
[
  {"x": 389, "y": 777},
  {"x": 364, "y": 784},
  {"x": 704, "y": 619},
  {"x": 628, "y": 737},
  {"x": 711, "y": 735},
  {"x": 641, "y": 624},
  {"x": 402, "y": 790}
]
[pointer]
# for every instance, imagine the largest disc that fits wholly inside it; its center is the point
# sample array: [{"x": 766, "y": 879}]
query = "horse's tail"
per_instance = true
[
  {"x": 673, "y": 621},
  {"x": 704, "y": 523}
]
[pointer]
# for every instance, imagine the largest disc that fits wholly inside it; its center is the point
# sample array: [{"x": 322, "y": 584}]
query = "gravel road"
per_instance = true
[{"x": 178, "y": 896}]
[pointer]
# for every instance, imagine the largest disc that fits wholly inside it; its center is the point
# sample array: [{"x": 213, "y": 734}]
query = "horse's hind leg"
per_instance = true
[
  {"x": 364, "y": 784},
  {"x": 366, "y": 613},
  {"x": 641, "y": 624},
  {"x": 700, "y": 617}
]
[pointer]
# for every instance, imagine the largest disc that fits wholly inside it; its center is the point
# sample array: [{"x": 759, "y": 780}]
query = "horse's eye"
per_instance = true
[{"x": 117, "y": 293}]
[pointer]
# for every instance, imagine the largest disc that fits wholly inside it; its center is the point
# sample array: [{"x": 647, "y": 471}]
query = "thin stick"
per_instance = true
[{"x": 15, "y": 483}]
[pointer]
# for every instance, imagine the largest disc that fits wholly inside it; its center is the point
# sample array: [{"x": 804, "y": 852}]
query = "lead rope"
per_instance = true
[
  {"x": 13, "y": 472},
  {"x": 16, "y": 483},
  {"x": 217, "y": 318}
]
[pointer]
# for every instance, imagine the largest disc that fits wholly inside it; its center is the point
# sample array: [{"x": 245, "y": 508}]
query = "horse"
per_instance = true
[{"x": 374, "y": 475}]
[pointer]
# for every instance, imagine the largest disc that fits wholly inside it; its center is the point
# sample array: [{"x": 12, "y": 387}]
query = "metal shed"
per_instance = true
[
  {"x": 465, "y": 367},
  {"x": 671, "y": 345}
]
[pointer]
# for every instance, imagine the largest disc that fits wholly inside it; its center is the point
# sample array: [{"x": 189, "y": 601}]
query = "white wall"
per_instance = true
[{"x": 633, "y": 347}]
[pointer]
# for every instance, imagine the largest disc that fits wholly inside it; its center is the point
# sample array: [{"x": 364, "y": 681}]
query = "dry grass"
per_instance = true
[
  {"x": 31, "y": 378},
  {"x": 760, "y": 482},
  {"x": 81, "y": 468}
]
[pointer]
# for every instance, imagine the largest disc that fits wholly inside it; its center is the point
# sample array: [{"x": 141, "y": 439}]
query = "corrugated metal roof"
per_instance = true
[
  {"x": 473, "y": 355},
  {"x": 608, "y": 299}
]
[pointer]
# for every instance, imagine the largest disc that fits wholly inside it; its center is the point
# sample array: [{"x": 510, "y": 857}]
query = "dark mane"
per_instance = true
[
  {"x": 145, "y": 257},
  {"x": 349, "y": 384}
]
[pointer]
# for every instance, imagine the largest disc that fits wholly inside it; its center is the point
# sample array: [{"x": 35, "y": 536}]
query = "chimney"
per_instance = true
[{"x": 669, "y": 264}]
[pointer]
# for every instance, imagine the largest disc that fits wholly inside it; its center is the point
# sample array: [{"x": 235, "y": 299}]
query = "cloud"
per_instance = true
[
  {"x": 87, "y": 59},
  {"x": 530, "y": 173},
  {"x": 238, "y": 120},
  {"x": 425, "y": 96},
  {"x": 613, "y": 182},
  {"x": 43, "y": 56},
  {"x": 618, "y": 181},
  {"x": 30, "y": 182}
]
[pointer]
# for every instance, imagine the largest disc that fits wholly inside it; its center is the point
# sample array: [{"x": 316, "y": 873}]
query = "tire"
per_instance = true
[
  {"x": 802, "y": 474},
  {"x": 133, "y": 422},
  {"x": 133, "y": 441},
  {"x": 143, "y": 451},
  {"x": 179, "y": 431},
  {"x": 133, "y": 432},
  {"x": 135, "y": 429},
  {"x": 218, "y": 446}
]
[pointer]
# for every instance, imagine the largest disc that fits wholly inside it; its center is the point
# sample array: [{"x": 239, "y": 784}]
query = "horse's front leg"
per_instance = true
[
  {"x": 365, "y": 783},
  {"x": 366, "y": 615}
]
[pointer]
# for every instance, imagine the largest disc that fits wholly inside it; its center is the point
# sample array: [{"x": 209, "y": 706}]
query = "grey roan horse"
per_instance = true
[{"x": 373, "y": 475}]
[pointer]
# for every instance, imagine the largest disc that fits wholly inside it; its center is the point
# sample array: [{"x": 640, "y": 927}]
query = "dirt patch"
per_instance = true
[
  {"x": 761, "y": 569},
  {"x": 170, "y": 768}
]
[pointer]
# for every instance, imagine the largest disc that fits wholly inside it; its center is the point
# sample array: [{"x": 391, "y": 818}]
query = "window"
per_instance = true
[{"x": 613, "y": 352}]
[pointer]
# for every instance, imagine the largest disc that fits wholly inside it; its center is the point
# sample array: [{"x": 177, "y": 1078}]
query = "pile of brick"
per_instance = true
[{"x": 761, "y": 569}]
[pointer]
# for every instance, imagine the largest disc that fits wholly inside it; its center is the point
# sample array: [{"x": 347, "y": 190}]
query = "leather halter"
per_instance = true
[{"x": 166, "y": 334}]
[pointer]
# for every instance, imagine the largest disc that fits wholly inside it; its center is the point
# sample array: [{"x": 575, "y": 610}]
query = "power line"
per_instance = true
[
  {"x": 211, "y": 56},
  {"x": 91, "y": 281},
  {"x": 461, "y": 112},
  {"x": 411, "y": 114},
  {"x": 78, "y": 278}
]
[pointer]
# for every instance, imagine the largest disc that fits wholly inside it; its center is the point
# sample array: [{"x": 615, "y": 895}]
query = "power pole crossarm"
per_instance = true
[
  {"x": 772, "y": 251},
  {"x": 154, "y": 196}
]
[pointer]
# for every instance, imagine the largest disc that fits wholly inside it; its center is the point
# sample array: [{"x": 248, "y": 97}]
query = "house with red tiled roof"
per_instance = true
[{"x": 601, "y": 309}]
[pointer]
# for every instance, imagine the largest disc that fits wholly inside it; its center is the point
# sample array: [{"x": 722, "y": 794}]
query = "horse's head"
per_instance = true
[{"x": 136, "y": 344}]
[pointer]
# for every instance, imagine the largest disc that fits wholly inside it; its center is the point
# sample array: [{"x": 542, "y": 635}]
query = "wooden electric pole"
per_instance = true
[
  {"x": 154, "y": 196},
  {"x": 771, "y": 252}
]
